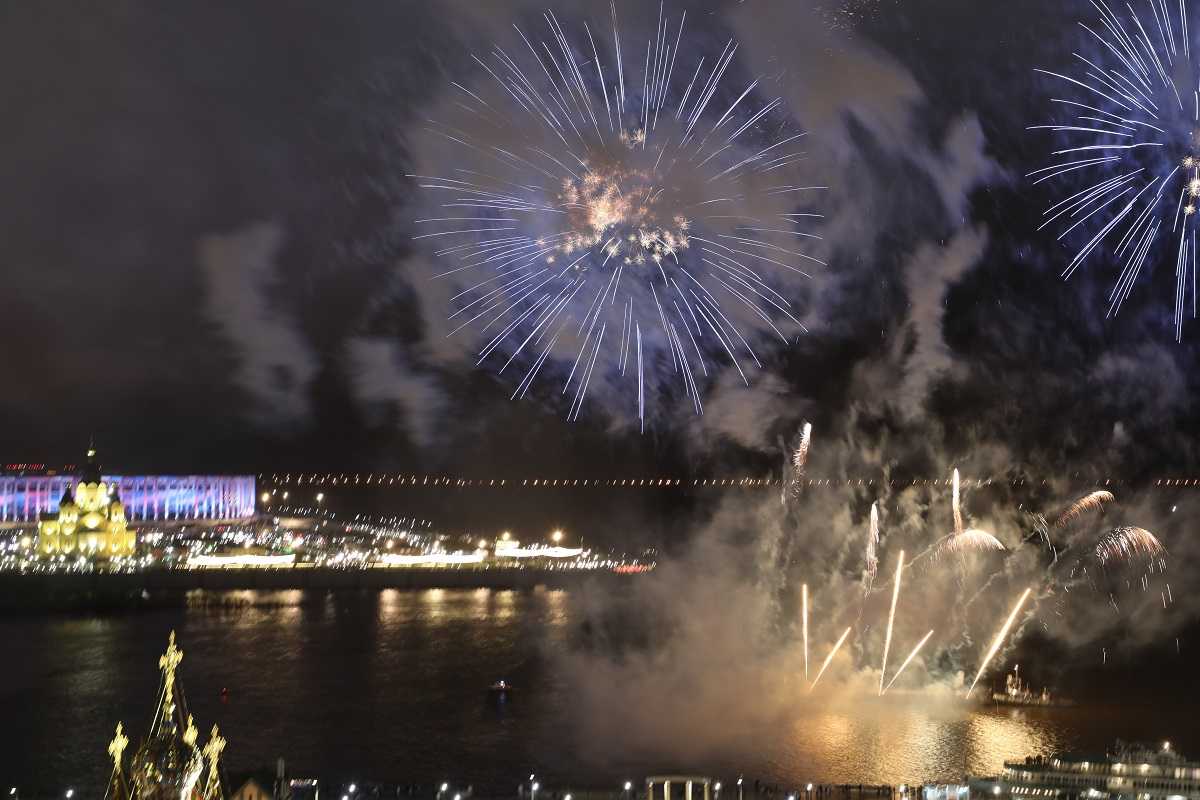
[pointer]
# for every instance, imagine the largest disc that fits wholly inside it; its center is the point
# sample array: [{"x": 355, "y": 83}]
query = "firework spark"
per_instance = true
[
  {"x": 1008, "y": 623},
  {"x": 829, "y": 658},
  {"x": 800, "y": 457},
  {"x": 1130, "y": 122},
  {"x": 595, "y": 208},
  {"x": 804, "y": 624},
  {"x": 956, "y": 505},
  {"x": 911, "y": 656},
  {"x": 887, "y": 639},
  {"x": 871, "y": 561},
  {"x": 1089, "y": 502},
  {"x": 1123, "y": 544}
]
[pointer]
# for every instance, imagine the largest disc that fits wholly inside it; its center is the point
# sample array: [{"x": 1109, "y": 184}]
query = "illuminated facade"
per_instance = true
[
  {"x": 90, "y": 520},
  {"x": 146, "y": 498}
]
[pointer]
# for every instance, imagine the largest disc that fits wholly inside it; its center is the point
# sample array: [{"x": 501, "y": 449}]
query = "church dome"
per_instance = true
[{"x": 165, "y": 767}]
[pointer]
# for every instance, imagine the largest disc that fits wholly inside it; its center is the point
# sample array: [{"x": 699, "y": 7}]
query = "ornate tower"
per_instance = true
[{"x": 167, "y": 765}]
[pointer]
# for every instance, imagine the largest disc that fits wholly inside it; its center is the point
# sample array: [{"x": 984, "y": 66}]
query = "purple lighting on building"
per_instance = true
[{"x": 147, "y": 498}]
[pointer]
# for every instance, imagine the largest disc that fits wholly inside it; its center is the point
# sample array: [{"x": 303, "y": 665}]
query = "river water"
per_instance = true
[{"x": 392, "y": 686}]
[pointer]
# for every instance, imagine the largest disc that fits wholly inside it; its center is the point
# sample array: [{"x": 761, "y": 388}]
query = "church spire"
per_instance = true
[
  {"x": 168, "y": 662},
  {"x": 118, "y": 788},
  {"x": 91, "y": 467},
  {"x": 212, "y": 753}
]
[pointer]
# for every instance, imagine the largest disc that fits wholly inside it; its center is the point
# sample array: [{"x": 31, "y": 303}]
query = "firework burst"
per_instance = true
[
  {"x": 1125, "y": 543},
  {"x": 1089, "y": 502},
  {"x": 971, "y": 539},
  {"x": 1129, "y": 120},
  {"x": 618, "y": 212}
]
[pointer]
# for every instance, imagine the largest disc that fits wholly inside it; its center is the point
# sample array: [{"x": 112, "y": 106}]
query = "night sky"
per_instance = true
[{"x": 207, "y": 232}]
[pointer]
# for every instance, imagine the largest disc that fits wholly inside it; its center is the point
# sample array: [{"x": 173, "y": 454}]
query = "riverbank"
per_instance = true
[{"x": 166, "y": 588}]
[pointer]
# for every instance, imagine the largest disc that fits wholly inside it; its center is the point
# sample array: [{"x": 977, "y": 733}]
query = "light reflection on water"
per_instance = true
[
  {"x": 911, "y": 745},
  {"x": 393, "y": 685}
]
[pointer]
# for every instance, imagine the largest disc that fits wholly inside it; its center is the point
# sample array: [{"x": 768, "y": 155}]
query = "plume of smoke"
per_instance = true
[{"x": 719, "y": 633}]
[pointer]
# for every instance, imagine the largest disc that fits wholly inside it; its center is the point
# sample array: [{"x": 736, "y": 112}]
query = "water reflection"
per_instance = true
[{"x": 394, "y": 685}]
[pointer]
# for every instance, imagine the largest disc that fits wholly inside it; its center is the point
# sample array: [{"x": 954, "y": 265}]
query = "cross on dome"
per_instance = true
[{"x": 116, "y": 748}]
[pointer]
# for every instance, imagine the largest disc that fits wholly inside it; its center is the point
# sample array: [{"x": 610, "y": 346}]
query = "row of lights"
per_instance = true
[
  {"x": 438, "y": 480},
  {"x": 443, "y": 480}
]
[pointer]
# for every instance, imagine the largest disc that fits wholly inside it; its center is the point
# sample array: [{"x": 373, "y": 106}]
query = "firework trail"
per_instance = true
[
  {"x": 804, "y": 623},
  {"x": 871, "y": 561},
  {"x": 887, "y": 639},
  {"x": 911, "y": 656},
  {"x": 602, "y": 217},
  {"x": 798, "y": 462},
  {"x": 956, "y": 504},
  {"x": 800, "y": 457},
  {"x": 1089, "y": 502},
  {"x": 961, "y": 541},
  {"x": 1125, "y": 137},
  {"x": 829, "y": 658},
  {"x": 999, "y": 639},
  {"x": 1126, "y": 542}
]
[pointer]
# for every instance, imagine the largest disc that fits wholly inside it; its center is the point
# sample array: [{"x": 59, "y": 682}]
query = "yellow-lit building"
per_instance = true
[{"x": 90, "y": 520}]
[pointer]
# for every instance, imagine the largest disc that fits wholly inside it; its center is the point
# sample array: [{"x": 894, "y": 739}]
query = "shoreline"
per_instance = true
[{"x": 170, "y": 588}]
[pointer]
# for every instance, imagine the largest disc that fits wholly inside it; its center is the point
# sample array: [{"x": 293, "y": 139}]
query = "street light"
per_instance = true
[
  {"x": 557, "y": 536},
  {"x": 320, "y": 497},
  {"x": 739, "y": 785},
  {"x": 70, "y": 793},
  {"x": 353, "y": 787}
]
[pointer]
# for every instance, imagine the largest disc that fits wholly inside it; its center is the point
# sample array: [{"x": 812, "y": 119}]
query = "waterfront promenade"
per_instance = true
[{"x": 81, "y": 590}]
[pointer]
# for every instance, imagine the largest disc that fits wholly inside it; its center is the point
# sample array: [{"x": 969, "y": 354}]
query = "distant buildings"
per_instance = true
[
  {"x": 1130, "y": 772},
  {"x": 24, "y": 498}
]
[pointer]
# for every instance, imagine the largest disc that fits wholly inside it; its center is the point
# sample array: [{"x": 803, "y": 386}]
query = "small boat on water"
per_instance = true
[{"x": 1018, "y": 693}]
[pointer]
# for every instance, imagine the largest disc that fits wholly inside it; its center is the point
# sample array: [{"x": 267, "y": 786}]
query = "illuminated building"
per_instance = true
[
  {"x": 1130, "y": 772},
  {"x": 147, "y": 498},
  {"x": 90, "y": 519},
  {"x": 167, "y": 765}
]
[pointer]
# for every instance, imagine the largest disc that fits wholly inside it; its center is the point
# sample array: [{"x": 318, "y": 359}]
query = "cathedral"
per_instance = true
[
  {"x": 168, "y": 765},
  {"x": 90, "y": 519}
]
